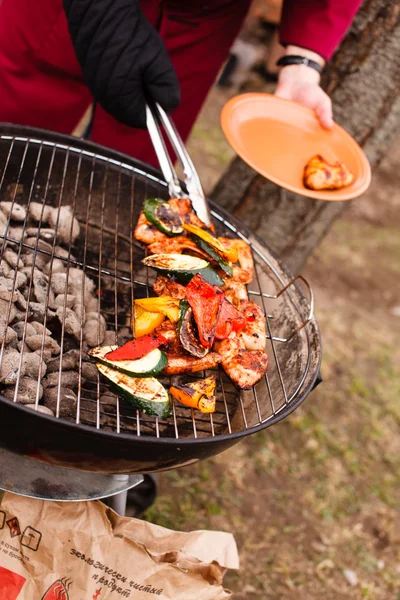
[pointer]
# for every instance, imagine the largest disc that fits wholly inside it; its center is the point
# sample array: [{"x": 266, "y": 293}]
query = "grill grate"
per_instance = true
[{"x": 106, "y": 195}]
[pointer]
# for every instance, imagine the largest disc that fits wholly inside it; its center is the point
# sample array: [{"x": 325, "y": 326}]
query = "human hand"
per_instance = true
[
  {"x": 123, "y": 58},
  {"x": 300, "y": 83}
]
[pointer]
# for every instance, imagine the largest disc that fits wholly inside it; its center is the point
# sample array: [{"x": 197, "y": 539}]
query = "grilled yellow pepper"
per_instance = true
[
  {"x": 145, "y": 322},
  {"x": 165, "y": 305},
  {"x": 197, "y": 394},
  {"x": 229, "y": 254}
]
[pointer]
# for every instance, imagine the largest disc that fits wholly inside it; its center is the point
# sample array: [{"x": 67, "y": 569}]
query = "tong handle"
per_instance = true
[{"x": 156, "y": 116}]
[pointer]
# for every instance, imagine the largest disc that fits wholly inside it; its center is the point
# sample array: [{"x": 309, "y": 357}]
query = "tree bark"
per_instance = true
[{"x": 363, "y": 80}]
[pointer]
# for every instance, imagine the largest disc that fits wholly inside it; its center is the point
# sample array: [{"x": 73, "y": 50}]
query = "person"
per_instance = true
[{"x": 58, "y": 56}]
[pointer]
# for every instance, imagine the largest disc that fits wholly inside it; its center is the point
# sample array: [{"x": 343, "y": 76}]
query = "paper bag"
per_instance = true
[{"x": 85, "y": 551}]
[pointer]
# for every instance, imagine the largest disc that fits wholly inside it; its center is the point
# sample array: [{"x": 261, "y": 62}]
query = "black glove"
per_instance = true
[{"x": 122, "y": 58}]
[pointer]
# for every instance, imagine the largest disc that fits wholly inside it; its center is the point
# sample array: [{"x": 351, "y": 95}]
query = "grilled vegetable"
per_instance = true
[
  {"x": 163, "y": 216},
  {"x": 183, "y": 267},
  {"x": 147, "y": 395},
  {"x": 198, "y": 394},
  {"x": 145, "y": 322},
  {"x": 229, "y": 254},
  {"x": 136, "y": 348},
  {"x": 166, "y": 305},
  {"x": 148, "y": 366},
  {"x": 213, "y": 254},
  {"x": 188, "y": 334},
  {"x": 205, "y": 300},
  {"x": 229, "y": 319}
]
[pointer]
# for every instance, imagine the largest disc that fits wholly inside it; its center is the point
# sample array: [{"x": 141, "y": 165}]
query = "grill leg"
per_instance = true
[{"x": 118, "y": 502}]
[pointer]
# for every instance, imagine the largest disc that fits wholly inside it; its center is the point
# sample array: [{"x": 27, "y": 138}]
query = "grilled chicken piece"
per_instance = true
[
  {"x": 180, "y": 363},
  {"x": 148, "y": 234},
  {"x": 245, "y": 271},
  {"x": 244, "y": 367},
  {"x": 321, "y": 175},
  {"x": 177, "y": 245},
  {"x": 253, "y": 335},
  {"x": 235, "y": 291},
  {"x": 166, "y": 287}
]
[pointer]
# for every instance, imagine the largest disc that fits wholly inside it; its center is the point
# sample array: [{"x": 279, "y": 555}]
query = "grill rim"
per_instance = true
[{"x": 126, "y": 162}]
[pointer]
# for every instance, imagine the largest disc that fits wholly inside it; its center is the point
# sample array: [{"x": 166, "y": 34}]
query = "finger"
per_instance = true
[{"x": 324, "y": 112}]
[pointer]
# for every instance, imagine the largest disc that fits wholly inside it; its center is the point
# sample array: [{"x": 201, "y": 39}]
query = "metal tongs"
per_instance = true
[{"x": 157, "y": 118}]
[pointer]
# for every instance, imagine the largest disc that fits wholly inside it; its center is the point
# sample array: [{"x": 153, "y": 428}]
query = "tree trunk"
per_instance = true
[{"x": 363, "y": 81}]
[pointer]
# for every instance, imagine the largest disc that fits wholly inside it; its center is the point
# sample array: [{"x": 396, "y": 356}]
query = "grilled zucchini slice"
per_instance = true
[
  {"x": 147, "y": 395},
  {"x": 160, "y": 214},
  {"x": 150, "y": 365},
  {"x": 183, "y": 267}
]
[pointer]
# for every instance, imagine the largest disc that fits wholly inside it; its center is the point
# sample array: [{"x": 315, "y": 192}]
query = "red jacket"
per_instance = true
[{"x": 317, "y": 25}]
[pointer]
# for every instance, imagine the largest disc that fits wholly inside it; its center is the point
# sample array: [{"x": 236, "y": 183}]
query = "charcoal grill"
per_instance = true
[{"x": 106, "y": 191}]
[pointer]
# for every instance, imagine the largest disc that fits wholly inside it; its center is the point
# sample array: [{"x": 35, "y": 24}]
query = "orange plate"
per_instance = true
[{"x": 278, "y": 137}]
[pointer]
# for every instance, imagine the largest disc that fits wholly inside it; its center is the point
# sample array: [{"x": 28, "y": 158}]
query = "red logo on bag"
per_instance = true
[
  {"x": 10, "y": 584},
  {"x": 58, "y": 591}
]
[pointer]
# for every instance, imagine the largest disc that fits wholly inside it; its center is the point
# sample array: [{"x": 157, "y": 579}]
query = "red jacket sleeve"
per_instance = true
[{"x": 317, "y": 25}]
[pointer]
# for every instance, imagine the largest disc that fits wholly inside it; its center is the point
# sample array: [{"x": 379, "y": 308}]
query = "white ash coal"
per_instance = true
[{"x": 49, "y": 314}]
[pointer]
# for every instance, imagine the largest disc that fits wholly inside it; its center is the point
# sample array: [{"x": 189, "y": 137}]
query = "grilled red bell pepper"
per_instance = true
[
  {"x": 230, "y": 319},
  {"x": 205, "y": 300},
  {"x": 136, "y": 349}
]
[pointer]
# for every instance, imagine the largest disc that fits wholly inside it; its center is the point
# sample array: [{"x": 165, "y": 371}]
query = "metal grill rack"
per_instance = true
[{"x": 106, "y": 192}]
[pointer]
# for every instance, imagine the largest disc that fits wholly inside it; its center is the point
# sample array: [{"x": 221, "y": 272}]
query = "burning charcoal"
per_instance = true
[
  {"x": 40, "y": 260},
  {"x": 42, "y": 290},
  {"x": 55, "y": 266},
  {"x": 22, "y": 347},
  {"x": 68, "y": 362},
  {"x": 39, "y": 212},
  {"x": 9, "y": 367},
  {"x": 79, "y": 310},
  {"x": 89, "y": 371},
  {"x": 27, "y": 390},
  {"x": 38, "y": 327},
  {"x": 65, "y": 223},
  {"x": 5, "y": 268},
  {"x": 20, "y": 327},
  {"x": 16, "y": 233},
  {"x": 33, "y": 365},
  {"x": 69, "y": 379},
  {"x": 109, "y": 338},
  {"x": 68, "y": 401},
  {"x": 9, "y": 335},
  {"x": 58, "y": 283},
  {"x": 20, "y": 279},
  {"x": 8, "y": 290},
  {"x": 15, "y": 211},
  {"x": 94, "y": 332},
  {"x": 47, "y": 235},
  {"x": 11, "y": 257},
  {"x": 41, "y": 245},
  {"x": 71, "y": 323},
  {"x": 91, "y": 303},
  {"x": 36, "y": 342},
  {"x": 67, "y": 299},
  {"x": 38, "y": 311},
  {"x": 7, "y": 311},
  {"x": 41, "y": 409}
]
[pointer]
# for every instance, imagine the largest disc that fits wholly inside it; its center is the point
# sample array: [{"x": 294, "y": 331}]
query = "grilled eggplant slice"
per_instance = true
[
  {"x": 150, "y": 365},
  {"x": 162, "y": 215},
  {"x": 147, "y": 395},
  {"x": 183, "y": 267},
  {"x": 188, "y": 334}
]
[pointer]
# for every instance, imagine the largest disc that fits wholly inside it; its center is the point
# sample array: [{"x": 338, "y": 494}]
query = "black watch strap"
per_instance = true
[{"x": 284, "y": 61}]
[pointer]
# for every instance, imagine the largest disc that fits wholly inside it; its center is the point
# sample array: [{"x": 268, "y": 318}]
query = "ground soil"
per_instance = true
[{"x": 318, "y": 493}]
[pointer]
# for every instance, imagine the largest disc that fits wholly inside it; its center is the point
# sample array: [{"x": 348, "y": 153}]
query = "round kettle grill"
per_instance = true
[{"x": 104, "y": 436}]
